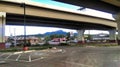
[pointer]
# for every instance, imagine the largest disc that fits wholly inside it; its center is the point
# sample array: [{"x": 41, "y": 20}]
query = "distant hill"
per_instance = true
[{"x": 59, "y": 32}]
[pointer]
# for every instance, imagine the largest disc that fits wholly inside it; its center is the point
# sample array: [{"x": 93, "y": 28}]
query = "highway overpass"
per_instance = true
[
  {"x": 42, "y": 15},
  {"x": 110, "y": 6}
]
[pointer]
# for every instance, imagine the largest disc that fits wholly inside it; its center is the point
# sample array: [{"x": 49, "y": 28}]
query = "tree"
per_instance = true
[
  {"x": 68, "y": 36},
  {"x": 89, "y": 37},
  {"x": 11, "y": 40},
  {"x": 47, "y": 38}
]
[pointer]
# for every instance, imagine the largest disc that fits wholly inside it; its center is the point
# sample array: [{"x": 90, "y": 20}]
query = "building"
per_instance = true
[
  {"x": 57, "y": 41},
  {"x": 101, "y": 36}
]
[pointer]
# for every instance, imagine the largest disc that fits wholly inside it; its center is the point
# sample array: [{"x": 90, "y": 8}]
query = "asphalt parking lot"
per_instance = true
[{"x": 74, "y": 57}]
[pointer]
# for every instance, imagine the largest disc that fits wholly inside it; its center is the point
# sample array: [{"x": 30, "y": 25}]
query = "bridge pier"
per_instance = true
[
  {"x": 2, "y": 29},
  {"x": 112, "y": 35},
  {"x": 80, "y": 36},
  {"x": 117, "y": 18}
]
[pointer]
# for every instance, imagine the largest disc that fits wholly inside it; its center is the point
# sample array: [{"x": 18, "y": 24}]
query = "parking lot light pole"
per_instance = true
[
  {"x": 24, "y": 6},
  {"x": 24, "y": 24}
]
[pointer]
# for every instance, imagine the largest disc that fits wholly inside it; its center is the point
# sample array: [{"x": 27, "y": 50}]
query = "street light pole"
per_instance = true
[
  {"x": 24, "y": 6},
  {"x": 24, "y": 24}
]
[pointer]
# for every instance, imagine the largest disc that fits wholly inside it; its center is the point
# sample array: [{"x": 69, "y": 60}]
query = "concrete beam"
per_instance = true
[
  {"x": 112, "y": 35},
  {"x": 2, "y": 29},
  {"x": 54, "y": 13},
  {"x": 80, "y": 36},
  {"x": 2, "y": 26},
  {"x": 94, "y": 4},
  {"x": 117, "y": 17}
]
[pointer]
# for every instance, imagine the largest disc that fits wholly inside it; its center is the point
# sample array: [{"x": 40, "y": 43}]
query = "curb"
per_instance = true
[{"x": 23, "y": 52}]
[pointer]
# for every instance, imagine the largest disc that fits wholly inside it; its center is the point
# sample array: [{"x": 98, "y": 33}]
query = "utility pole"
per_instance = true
[{"x": 15, "y": 37}]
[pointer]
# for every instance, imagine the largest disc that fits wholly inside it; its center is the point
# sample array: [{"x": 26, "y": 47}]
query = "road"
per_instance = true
[{"x": 75, "y": 57}]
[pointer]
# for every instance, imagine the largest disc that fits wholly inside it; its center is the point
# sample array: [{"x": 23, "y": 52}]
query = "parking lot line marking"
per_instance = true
[
  {"x": 8, "y": 56},
  {"x": 79, "y": 64},
  {"x": 18, "y": 57}
]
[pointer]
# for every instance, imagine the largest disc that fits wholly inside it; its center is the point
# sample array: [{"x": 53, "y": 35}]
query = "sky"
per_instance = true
[{"x": 19, "y": 30}]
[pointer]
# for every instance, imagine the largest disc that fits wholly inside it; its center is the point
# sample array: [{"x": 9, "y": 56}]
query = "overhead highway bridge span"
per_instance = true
[
  {"x": 110, "y": 6},
  {"x": 11, "y": 13}
]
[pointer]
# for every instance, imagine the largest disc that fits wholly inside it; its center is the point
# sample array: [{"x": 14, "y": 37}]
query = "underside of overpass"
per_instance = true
[
  {"x": 44, "y": 16},
  {"x": 110, "y": 6},
  {"x": 17, "y": 19}
]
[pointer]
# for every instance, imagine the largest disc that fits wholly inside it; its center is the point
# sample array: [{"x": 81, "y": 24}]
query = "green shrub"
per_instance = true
[
  {"x": 46, "y": 44},
  {"x": 12, "y": 45},
  {"x": 9, "y": 50},
  {"x": 63, "y": 44}
]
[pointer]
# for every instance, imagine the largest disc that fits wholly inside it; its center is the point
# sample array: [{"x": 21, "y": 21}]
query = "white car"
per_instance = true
[
  {"x": 54, "y": 42},
  {"x": 42, "y": 43}
]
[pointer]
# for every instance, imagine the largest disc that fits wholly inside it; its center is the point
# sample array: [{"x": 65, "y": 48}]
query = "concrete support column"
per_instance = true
[
  {"x": 112, "y": 36},
  {"x": 80, "y": 36},
  {"x": 2, "y": 29},
  {"x": 117, "y": 18}
]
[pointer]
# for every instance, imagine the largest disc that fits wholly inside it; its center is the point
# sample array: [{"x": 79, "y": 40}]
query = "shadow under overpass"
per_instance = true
[{"x": 17, "y": 19}]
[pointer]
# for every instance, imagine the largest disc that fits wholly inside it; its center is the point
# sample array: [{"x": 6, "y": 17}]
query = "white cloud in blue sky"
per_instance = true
[
  {"x": 18, "y": 30},
  {"x": 55, "y": 3}
]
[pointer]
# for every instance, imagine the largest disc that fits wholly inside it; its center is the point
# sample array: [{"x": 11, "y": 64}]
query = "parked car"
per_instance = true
[
  {"x": 42, "y": 43},
  {"x": 54, "y": 42}
]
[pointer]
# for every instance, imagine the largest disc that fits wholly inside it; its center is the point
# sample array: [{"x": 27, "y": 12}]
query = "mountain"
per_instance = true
[{"x": 59, "y": 32}]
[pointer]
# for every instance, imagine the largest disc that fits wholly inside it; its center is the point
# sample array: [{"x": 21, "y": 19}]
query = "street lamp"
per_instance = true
[{"x": 24, "y": 6}]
